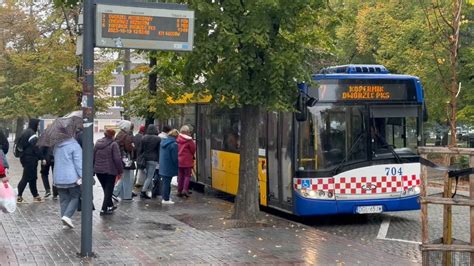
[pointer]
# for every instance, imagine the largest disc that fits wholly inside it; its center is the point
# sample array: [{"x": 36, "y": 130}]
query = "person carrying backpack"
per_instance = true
[{"x": 29, "y": 154}]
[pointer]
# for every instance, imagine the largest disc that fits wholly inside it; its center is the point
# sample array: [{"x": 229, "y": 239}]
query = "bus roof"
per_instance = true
[
  {"x": 362, "y": 76},
  {"x": 355, "y": 68},
  {"x": 358, "y": 71}
]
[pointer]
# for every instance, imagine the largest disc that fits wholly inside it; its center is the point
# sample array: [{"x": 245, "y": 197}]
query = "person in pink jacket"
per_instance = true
[{"x": 186, "y": 150}]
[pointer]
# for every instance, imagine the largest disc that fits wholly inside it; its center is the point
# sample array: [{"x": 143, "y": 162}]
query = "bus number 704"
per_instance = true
[{"x": 393, "y": 171}]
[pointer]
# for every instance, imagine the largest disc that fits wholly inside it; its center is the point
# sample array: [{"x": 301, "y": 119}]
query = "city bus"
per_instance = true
[{"x": 349, "y": 149}]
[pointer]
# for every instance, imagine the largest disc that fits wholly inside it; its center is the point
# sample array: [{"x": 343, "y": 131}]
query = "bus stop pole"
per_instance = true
[{"x": 87, "y": 137}]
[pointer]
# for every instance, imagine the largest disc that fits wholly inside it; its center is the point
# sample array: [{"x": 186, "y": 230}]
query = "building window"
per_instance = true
[
  {"x": 117, "y": 70},
  {"x": 116, "y": 91}
]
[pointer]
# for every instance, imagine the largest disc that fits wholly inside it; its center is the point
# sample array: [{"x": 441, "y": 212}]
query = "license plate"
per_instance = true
[{"x": 369, "y": 209}]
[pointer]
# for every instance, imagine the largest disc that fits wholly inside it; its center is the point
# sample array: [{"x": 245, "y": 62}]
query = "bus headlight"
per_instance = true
[
  {"x": 411, "y": 191},
  {"x": 316, "y": 194}
]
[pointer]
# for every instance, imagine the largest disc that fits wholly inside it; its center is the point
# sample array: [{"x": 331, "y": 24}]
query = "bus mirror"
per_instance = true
[
  {"x": 301, "y": 108},
  {"x": 311, "y": 102}
]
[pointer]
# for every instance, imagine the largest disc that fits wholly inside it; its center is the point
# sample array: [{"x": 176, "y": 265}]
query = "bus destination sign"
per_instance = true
[
  {"x": 365, "y": 92},
  {"x": 144, "y": 28}
]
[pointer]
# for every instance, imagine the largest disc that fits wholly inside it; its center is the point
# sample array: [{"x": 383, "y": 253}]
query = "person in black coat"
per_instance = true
[
  {"x": 4, "y": 145},
  {"x": 47, "y": 163},
  {"x": 29, "y": 158},
  {"x": 150, "y": 150},
  {"x": 140, "y": 175}
]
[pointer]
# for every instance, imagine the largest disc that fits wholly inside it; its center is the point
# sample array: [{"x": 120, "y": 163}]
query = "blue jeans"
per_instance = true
[
  {"x": 123, "y": 189},
  {"x": 150, "y": 172},
  {"x": 166, "y": 187},
  {"x": 69, "y": 200}
]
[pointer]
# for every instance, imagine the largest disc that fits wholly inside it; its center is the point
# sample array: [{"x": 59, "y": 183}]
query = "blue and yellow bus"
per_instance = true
[{"x": 350, "y": 149}]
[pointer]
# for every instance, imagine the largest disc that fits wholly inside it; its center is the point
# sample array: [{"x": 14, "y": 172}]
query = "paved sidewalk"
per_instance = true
[{"x": 192, "y": 231}]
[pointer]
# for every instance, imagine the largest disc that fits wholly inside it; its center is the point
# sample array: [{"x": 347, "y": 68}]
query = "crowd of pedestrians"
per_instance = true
[{"x": 125, "y": 165}]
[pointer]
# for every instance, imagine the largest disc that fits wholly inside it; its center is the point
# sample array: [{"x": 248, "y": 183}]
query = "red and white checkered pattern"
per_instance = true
[
  {"x": 411, "y": 181},
  {"x": 326, "y": 184},
  {"x": 361, "y": 185}
]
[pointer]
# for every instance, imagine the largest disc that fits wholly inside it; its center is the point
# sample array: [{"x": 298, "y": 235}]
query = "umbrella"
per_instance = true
[{"x": 61, "y": 129}]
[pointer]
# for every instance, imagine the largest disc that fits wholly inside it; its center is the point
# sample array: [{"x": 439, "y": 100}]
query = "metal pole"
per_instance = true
[{"x": 87, "y": 141}]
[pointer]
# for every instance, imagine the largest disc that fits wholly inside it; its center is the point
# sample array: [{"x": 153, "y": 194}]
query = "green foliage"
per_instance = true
[
  {"x": 67, "y": 3},
  {"x": 397, "y": 35},
  {"x": 37, "y": 64},
  {"x": 253, "y": 52},
  {"x": 140, "y": 102}
]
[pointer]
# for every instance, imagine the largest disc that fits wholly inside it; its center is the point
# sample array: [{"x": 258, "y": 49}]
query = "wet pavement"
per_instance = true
[{"x": 192, "y": 231}]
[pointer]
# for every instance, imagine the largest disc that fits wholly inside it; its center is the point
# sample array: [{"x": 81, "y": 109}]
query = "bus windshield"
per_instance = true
[{"x": 340, "y": 134}]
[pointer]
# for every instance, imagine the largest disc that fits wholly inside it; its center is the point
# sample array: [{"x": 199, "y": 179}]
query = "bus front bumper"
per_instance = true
[{"x": 313, "y": 207}]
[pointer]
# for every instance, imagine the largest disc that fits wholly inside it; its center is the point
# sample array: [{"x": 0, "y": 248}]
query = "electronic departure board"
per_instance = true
[{"x": 144, "y": 28}]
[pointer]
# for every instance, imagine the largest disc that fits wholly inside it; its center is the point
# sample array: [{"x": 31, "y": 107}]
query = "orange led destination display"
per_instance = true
[
  {"x": 365, "y": 92},
  {"x": 144, "y": 27}
]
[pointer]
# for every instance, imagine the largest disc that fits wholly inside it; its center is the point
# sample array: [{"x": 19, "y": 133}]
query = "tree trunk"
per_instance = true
[
  {"x": 150, "y": 118},
  {"x": 246, "y": 203},
  {"x": 20, "y": 121},
  {"x": 126, "y": 77},
  {"x": 453, "y": 56}
]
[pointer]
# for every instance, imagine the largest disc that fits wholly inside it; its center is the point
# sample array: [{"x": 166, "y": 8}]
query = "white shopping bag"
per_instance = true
[
  {"x": 174, "y": 181},
  {"x": 7, "y": 197}
]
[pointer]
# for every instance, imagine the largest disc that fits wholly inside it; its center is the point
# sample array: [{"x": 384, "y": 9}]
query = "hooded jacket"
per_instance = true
[
  {"x": 67, "y": 163},
  {"x": 107, "y": 159},
  {"x": 4, "y": 145},
  {"x": 168, "y": 157},
  {"x": 27, "y": 142},
  {"x": 186, "y": 150},
  {"x": 150, "y": 148}
]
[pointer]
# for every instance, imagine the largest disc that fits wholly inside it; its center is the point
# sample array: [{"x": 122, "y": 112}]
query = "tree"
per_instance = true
[
  {"x": 250, "y": 55},
  {"x": 415, "y": 48},
  {"x": 444, "y": 21}
]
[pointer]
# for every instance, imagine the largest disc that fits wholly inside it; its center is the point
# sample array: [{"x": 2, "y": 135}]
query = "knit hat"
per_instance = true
[
  {"x": 141, "y": 129},
  {"x": 109, "y": 133},
  {"x": 125, "y": 125}
]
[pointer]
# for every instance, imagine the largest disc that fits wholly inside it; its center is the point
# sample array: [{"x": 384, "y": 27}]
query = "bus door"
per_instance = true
[
  {"x": 203, "y": 139},
  {"x": 279, "y": 159}
]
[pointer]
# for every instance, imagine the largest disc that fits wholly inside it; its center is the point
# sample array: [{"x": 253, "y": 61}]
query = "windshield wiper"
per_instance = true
[
  {"x": 390, "y": 148},
  {"x": 349, "y": 154}
]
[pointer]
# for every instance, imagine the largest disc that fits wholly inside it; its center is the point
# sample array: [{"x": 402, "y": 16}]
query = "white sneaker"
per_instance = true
[
  {"x": 148, "y": 193},
  {"x": 67, "y": 221},
  {"x": 167, "y": 202}
]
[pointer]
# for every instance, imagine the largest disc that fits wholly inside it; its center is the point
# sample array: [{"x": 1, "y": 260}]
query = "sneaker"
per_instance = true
[
  {"x": 47, "y": 194},
  {"x": 144, "y": 195},
  {"x": 20, "y": 199},
  {"x": 67, "y": 221},
  {"x": 107, "y": 212},
  {"x": 167, "y": 202},
  {"x": 55, "y": 197},
  {"x": 148, "y": 193},
  {"x": 65, "y": 227},
  {"x": 117, "y": 199},
  {"x": 37, "y": 199}
]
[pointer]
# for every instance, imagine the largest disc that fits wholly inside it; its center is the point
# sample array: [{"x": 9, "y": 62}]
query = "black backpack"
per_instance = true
[{"x": 17, "y": 150}]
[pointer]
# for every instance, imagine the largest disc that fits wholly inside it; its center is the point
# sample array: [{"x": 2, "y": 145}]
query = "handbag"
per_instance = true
[
  {"x": 7, "y": 197},
  {"x": 127, "y": 161}
]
